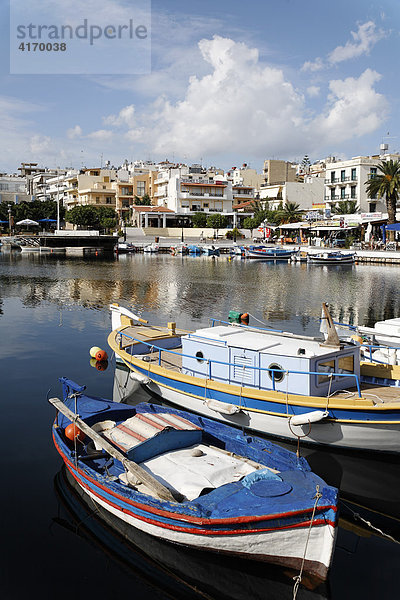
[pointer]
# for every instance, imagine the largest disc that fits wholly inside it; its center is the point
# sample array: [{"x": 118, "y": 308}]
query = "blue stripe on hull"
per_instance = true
[{"x": 268, "y": 405}]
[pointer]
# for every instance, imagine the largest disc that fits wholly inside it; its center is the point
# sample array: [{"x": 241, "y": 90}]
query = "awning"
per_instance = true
[
  {"x": 299, "y": 225},
  {"x": 333, "y": 228}
]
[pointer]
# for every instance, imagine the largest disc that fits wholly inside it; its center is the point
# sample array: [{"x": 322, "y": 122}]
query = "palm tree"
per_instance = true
[
  {"x": 345, "y": 207},
  {"x": 386, "y": 183},
  {"x": 290, "y": 213}
]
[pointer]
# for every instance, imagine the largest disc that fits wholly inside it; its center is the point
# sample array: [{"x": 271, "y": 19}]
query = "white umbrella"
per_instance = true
[
  {"x": 27, "y": 222},
  {"x": 368, "y": 232}
]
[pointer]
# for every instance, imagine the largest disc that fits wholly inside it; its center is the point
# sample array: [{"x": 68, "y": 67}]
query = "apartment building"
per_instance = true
[
  {"x": 308, "y": 194},
  {"x": 186, "y": 190},
  {"x": 278, "y": 172},
  {"x": 245, "y": 176},
  {"x": 346, "y": 180},
  {"x": 89, "y": 187},
  {"x": 13, "y": 189}
]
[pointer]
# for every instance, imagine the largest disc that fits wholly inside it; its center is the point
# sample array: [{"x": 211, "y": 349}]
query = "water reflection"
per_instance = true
[
  {"x": 171, "y": 570},
  {"x": 191, "y": 289}
]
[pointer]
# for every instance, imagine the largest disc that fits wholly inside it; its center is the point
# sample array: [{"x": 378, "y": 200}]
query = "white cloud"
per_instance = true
[
  {"x": 100, "y": 135},
  {"x": 313, "y": 91},
  {"x": 364, "y": 38},
  {"x": 243, "y": 106},
  {"x": 125, "y": 117},
  {"x": 74, "y": 132},
  {"x": 354, "y": 108},
  {"x": 236, "y": 105},
  {"x": 40, "y": 144},
  {"x": 313, "y": 66}
]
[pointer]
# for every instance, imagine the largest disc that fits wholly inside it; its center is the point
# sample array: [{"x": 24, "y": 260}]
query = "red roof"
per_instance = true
[{"x": 156, "y": 209}]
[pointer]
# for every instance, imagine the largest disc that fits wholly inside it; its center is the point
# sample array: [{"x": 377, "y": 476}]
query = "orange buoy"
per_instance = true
[
  {"x": 244, "y": 317},
  {"x": 101, "y": 365},
  {"x": 101, "y": 355},
  {"x": 72, "y": 432}
]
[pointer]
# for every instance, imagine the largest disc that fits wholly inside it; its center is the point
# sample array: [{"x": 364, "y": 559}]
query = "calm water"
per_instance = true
[{"x": 52, "y": 311}]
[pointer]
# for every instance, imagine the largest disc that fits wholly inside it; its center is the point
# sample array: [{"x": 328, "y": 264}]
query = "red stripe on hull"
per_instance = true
[{"x": 196, "y": 520}]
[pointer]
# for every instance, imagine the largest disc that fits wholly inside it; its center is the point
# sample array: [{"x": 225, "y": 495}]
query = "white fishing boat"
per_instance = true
[
  {"x": 336, "y": 257},
  {"x": 274, "y": 382},
  {"x": 154, "y": 247}
]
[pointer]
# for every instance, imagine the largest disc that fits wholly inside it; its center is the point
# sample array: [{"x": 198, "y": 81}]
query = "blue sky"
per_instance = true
[{"x": 230, "y": 82}]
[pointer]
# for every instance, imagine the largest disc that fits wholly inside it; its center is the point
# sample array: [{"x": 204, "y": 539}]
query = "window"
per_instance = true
[
  {"x": 353, "y": 190},
  {"x": 200, "y": 356},
  {"x": 372, "y": 172},
  {"x": 276, "y": 372},
  {"x": 333, "y": 176},
  {"x": 140, "y": 188},
  {"x": 126, "y": 191},
  {"x": 332, "y": 194},
  {"x": 353, "y": 174},
  {"x": 108, "y": 199},
  {"x": 346, "y": 364},
  {"x": 325, "y": 367},
  {"x": 342, "y": 175},
  {"x": 342, "y": 193},
  {"x": 372, "y": 207}
]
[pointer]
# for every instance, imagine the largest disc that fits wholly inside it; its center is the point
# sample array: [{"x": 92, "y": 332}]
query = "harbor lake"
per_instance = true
[{"x": 53, "y": 309}]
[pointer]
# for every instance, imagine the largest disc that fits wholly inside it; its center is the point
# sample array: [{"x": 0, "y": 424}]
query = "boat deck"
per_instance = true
[{"x": 173, "y": 360}]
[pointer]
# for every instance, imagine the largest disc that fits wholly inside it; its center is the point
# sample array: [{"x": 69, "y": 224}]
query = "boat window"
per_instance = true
[
  {"x": 277, "y": 371},
  {"x": 346, "y": 364},
  {"x": 200, "y": 356},
  {"x": 325, "y": 367}
]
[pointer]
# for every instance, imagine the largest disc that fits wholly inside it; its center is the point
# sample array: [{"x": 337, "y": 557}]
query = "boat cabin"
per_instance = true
[{"x": 269, "y": 361}]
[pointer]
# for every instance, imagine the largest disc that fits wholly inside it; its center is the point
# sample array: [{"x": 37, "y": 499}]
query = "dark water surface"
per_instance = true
[{"x": 52, "y": 311}]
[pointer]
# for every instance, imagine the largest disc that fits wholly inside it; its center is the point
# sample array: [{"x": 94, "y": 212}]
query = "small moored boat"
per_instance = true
[
  {"x": 196, "y": 482},
  {"x": 268, "y": 253},
  {"x": 332, "y": 258}
]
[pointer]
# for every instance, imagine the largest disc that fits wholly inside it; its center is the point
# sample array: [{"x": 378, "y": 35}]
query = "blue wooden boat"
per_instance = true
[
  {"x": 268, "y": 253},
  {"x": 194, "y": 249},
  {"x": 273, "y": 382},
  {"x": 196, "y": 482},
  {"x": 200, "y": 576}
]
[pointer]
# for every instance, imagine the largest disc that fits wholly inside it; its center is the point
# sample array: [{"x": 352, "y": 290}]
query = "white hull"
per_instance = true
[
  {"x": 374, "y": 437},
  {"x": 286, "y": 546}
]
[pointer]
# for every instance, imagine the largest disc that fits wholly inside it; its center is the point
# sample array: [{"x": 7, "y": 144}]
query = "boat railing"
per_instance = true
[
  {"x": 372, "y": 348},
  {"x": 210, "y": 361}
]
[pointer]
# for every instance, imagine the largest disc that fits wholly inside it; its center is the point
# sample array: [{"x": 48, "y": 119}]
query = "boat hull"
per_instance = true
[
  {"x": 380, "y": 437},
  {"x": 285, "y": 546}
]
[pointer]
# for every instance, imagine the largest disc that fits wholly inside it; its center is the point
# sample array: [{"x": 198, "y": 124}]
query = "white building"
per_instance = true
[
  {"x": 346, "y": 180},
  {"x": 13, "y": 189},
  {"x": 186, "y": 190},
  {"x": 307, "y": 195}
]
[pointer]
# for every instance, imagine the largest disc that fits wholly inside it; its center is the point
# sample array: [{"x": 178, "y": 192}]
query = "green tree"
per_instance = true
[
  {"x": 144, "y": 201},
  {"x": 290, "y": 213},
  {"x": 386, "y": 183},
  {"x": 345, "y": 207},
  {"x": 217, "y": 221},
  {"x": 199, "y": 219},
  {"x": 97, "y": 217},
  {"x": 251, "y": 223}
]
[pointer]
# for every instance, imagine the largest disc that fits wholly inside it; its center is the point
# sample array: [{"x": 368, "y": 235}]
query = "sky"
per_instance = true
[{"x": 226, "y": 83}]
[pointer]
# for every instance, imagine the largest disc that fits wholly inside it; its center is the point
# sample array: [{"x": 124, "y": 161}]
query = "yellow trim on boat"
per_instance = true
[
  {"x": 355, "y": 403},
  {"x": 369, "y": 369}
]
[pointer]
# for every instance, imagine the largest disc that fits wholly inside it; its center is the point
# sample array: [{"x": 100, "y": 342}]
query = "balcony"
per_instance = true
[
  {"x": 344, "y": 179},
  {"x": 332, "y": 181}
]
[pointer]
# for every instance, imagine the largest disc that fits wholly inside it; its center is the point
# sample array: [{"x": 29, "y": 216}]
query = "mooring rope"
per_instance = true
[
  {"x": 358, "y": 516},
  {"x": 297, "y": 579}
]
